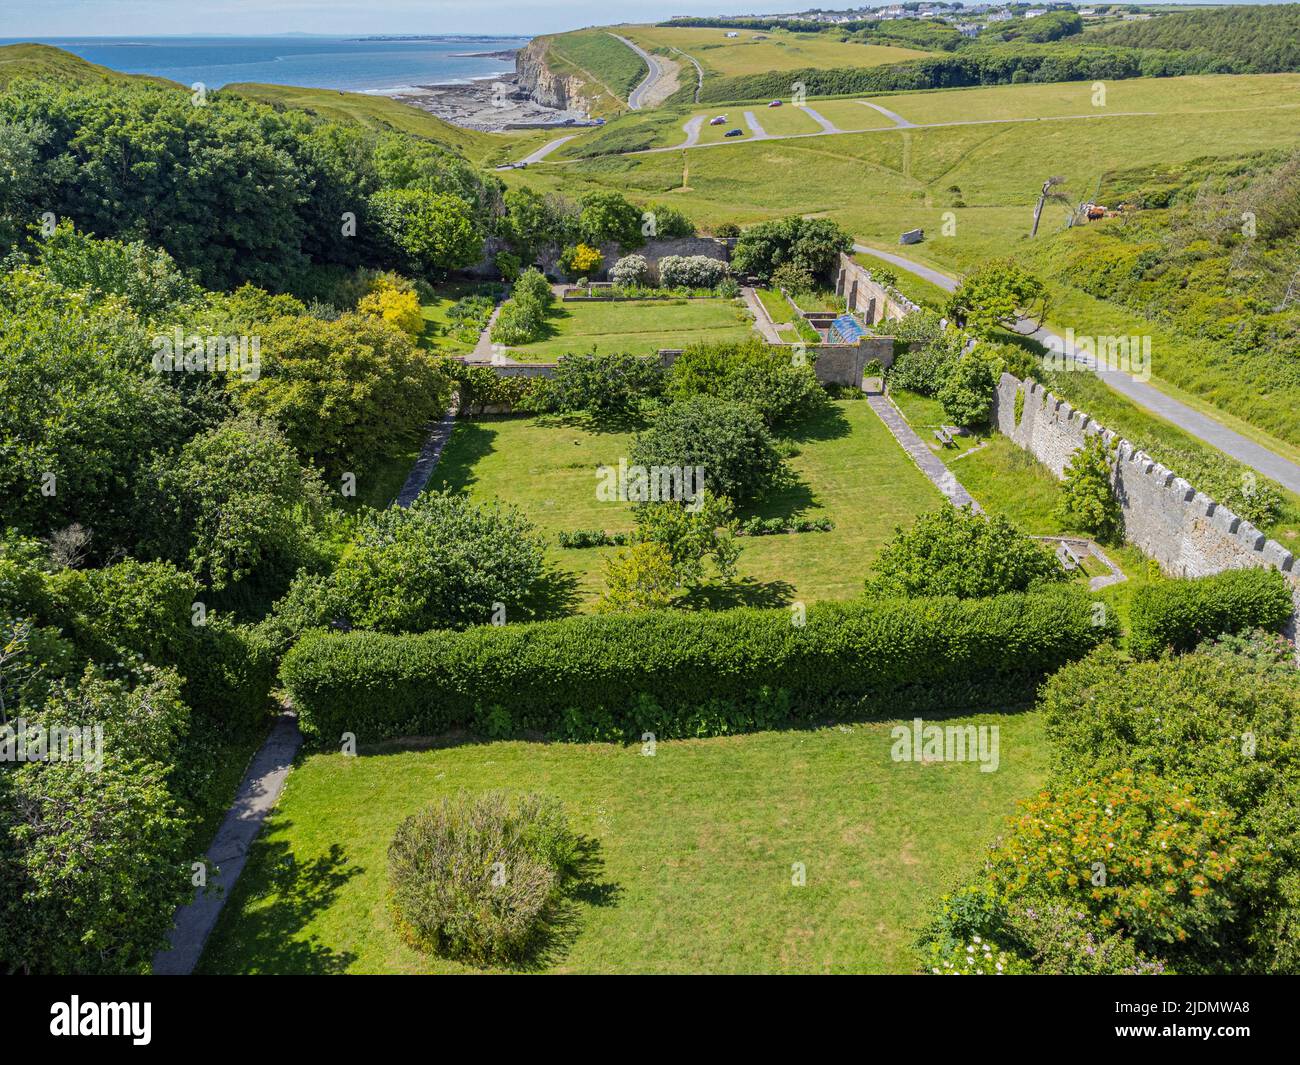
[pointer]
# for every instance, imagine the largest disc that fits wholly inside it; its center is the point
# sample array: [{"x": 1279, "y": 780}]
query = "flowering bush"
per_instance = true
[
  {"x": 691, "y": 271},
  {"x": 629, "y": 270},
  {"x": 1140, "y": 855}
]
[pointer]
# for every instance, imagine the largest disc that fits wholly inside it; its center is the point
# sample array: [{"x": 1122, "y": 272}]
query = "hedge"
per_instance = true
[
  {"x": 1179, "y": 614},
  {"x": 688, "y": 674}
]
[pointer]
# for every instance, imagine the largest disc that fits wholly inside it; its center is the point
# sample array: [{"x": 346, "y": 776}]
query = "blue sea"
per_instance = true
[{"x": 351, "y": 63}]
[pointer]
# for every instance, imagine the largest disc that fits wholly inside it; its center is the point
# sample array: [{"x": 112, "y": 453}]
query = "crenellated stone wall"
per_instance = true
[
  {"x": 1185, "y": 531},
  {"x": 867, "y": 296}
]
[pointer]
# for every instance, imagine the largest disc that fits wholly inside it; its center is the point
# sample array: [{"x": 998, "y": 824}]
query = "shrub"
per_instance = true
[
  {"x": 508, "y": 265},
  {"x": 783, "y": 391},
  {"x": 1141, "y": 855},
  {"x": 606, "y": 217},
  {"x": 1179, "y": 614},
  {"x": 975, "y": 932},
  {"x": 591, "y": 538},
  {"x": 669, "y": 222},
  {"x": 532, "y": 287},
  {"x": 518, "y": 323},
  {"x": 958, "y": 552},
  {"x": 604, "y": 385},
  {"x": 479, "y": 878},
  {"x": 630, "y": 270},
  {"x": 793, "y": 278},
  {"x": 1087, "y": 497},
  {"x": 994, "y": 297},
  {"x": 581, "y": 260},
  {"x": 690, "y": 535},
  {"x": 399, "y": 309},
  {"x": 442, "y": 562},
  {"x": 929, "y": 356},
  {"x": 685, "y": 674},
  {"x": 480, "y": 387},
  {"x": 691, "y": 271},
  {"x": 727, "y": 439},
  {"x": 1221, "y": 723},
  {"x": 640, "y": 577}
]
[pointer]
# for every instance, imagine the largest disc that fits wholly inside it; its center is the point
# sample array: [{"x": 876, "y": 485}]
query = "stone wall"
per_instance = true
[
  {"x": 869, "y": 297},
  {"x": 1185, "y": 531}
]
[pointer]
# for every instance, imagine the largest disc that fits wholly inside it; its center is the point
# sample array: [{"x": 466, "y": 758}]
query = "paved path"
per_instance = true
[
  {"x": 826, "y": 124},
  {"x": 1145, "y": 395},
  {"x": 656, "y": 72},
  {"x": 926, "y": 460},
  {"x": 229, "y": 851},
  {"x": 898, "y": 120},
  {"x": 540, "y": 154},
  {"x": 692, "y": 130},
  {"x": 485, "y": 349},
  {"x": 418, "y": 480},
  {"x": 756, "y": 128},
  {"x": 762, "y": 319}
]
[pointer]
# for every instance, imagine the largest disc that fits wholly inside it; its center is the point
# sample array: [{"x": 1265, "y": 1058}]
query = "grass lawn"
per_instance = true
[
  {"x": 636, "y": 327},
  {"x": 782, "y": 50},
  {"x": 696, "y": 843},
  {"x": 848, "y": 469},
  {"x": 439, "y": 332},
  {"x": 785, "y": 121},
  {"x": 850, "y": 114}
]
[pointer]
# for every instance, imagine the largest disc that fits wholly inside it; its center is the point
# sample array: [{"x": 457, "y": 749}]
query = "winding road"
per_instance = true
[
  {"x": 656, "y": 71},
  {"x": 1145, "y": 395}
]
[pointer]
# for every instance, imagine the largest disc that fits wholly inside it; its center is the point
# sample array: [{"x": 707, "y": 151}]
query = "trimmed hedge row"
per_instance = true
[
  {"x": 1179, "y": 614},
  {"x": 681, "y": 674}
]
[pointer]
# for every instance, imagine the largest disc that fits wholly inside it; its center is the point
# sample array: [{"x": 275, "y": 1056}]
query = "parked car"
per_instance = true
[
  {"x": 775, "y": 103},
  {"x": 718, "y": 121},
  {"x": 735, "y": 133}
]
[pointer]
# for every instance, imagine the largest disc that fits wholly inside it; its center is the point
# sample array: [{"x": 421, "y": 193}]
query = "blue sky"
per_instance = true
[{"x": 83, "y": 18}]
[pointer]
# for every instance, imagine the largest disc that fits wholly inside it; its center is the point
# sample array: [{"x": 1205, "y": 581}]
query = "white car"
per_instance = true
[{"x": 719, "y": 121}]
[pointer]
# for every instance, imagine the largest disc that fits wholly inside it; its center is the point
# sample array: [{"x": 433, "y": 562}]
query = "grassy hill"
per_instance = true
[
  {"x": 383, "y": 112},
  {"x": 45, "y": 61}
]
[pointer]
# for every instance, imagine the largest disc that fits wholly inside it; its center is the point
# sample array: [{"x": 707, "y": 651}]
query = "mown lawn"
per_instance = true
[
  {"x": 848, "y": 469},
  {"x": 636, "y": 327},
  {"x": 696, "y": 845}
]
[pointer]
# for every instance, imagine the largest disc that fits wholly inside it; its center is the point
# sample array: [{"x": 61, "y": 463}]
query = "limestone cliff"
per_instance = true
[{"x": 546, "y": 81}]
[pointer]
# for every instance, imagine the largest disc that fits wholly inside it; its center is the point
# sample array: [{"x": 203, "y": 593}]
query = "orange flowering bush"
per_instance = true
[{"x": 1140, "y": 855}]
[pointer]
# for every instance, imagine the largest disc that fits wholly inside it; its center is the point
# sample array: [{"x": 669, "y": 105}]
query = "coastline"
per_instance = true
[{"x": 489, "y": 104}]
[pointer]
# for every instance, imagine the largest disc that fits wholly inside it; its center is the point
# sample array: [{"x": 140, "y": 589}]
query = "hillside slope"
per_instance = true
[{"x": 46, "y": 61}]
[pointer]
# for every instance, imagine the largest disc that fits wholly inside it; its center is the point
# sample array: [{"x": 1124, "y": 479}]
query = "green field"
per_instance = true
[
  {"x": 781, "y": 50},
  {"x": 636, "y": 327},
  {"x": 785, "y": 121},
  {"x": 696, "y": 847},
  {"x": 848, "y": 469}
]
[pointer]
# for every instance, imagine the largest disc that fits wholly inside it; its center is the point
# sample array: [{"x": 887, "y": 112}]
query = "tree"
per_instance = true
[
  {"x": 399, "y": 309},
  {"x": 607, "y": 217},
  {"x": 813, "y": 245},
  {"x": 232, "y": 500},
  {"x": 1051, "y": 191},
  {"x": 1087, "y": 497},
  {"x": 929, "y": 353},
  {"x": 961, "y": 553},
  {"x": 727, "y": 440},
  {"x": 608, "y": 386},
  {"x": 783, "y": 391},
  {"x": 443, "y": 562},
  {"x": 432, "y": 233},
  {"x": 347, "y": 393},
  {"x": 705, "y": 530},
  {"x": 996, "y": 296},
  {"x": 967, "y": 392}
]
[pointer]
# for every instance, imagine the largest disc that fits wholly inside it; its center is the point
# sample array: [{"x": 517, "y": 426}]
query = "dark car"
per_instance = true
[{"x": 735, "y": 133}]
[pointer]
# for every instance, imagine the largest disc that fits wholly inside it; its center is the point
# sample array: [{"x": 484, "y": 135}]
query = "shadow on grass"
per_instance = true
[
  {"x": 827, "y": 423},
  {"x": 299, "y": 890},
  {"x": 596, "y": 423},
  {"x": 470, "y": 442},
  {"x": 742, "y": 591},
  {"x": 556, "y": 595},
  {"x": 588, "y": 889}
]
